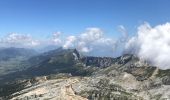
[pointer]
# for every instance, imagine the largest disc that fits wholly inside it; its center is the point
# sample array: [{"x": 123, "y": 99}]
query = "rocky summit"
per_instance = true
[{"x": 67, "y": 75}]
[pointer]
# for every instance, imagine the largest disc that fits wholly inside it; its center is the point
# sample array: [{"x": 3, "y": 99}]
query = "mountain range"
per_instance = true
[{"x": 66, "y": 74}]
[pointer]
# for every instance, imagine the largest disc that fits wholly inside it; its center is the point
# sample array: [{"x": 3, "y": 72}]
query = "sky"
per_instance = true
[
  {"x": 94, "y": 27},
  {"x": 41, "y": 18}
]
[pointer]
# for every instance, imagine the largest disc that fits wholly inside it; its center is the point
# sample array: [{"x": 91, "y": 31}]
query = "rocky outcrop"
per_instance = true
[
  {"x": 56, "y": 89},
  {"x": 166, "y": 80},
  {"x": 104, "y": 62},
  {"x": 101, "y": 62}
]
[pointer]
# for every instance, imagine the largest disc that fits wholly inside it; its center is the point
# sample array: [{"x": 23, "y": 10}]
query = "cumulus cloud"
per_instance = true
[
  {"x": 56, "y": 38},
  {"x": 70, "y": 42},
  {"x": 152, "y": 44},
  {"x": 82, "y": 46},
  {"x": 92, "y": 42},
  {"x": 18, "y": 40},
  {"x": 91, "y": 34},
  {"x": 88, "y": 39}
]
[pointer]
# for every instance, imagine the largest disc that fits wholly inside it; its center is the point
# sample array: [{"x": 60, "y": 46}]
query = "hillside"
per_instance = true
[
  {"x": 13, "y": 59},
  {"x": 64, "y": 74}
]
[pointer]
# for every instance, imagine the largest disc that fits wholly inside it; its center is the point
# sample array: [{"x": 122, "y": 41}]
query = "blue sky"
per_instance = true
[{"x": 41, "y": 18}]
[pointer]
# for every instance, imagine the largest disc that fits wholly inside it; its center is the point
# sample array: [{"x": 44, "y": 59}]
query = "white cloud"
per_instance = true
[
  {"x": 89, "y": 38},
  {"x": 93, "y": 42},
  {"x": 18, "y": 40},
  {"x": 82, "y": 46},
  {"x": 152, "y": 44},
  {"x": 56, "y": 38},
  {"x": 70, "y": 42},
  {"x": 91, "y": 34}
]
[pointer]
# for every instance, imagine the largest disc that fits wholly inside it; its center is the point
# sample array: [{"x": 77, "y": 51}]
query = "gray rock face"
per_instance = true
[
  {"x": 101, "y": 62},
  {"x": 166, "y": 80},
  {"x": 104, "y": 62}
]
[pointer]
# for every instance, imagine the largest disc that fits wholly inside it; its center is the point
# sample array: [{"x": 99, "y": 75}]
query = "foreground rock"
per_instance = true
[{"x": 113, "y": 85}]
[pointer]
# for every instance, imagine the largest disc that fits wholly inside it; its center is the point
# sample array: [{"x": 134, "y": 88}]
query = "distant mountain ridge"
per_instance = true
[
  {"x": 12, "y": 52},
  {"x": 12, "y": 59},
  {"x": 65, "y": 61},
  {"x": 70, "y": 61}
]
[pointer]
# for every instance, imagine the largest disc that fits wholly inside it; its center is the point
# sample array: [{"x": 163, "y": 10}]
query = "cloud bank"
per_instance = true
[{"x": 152, "y": 44}]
